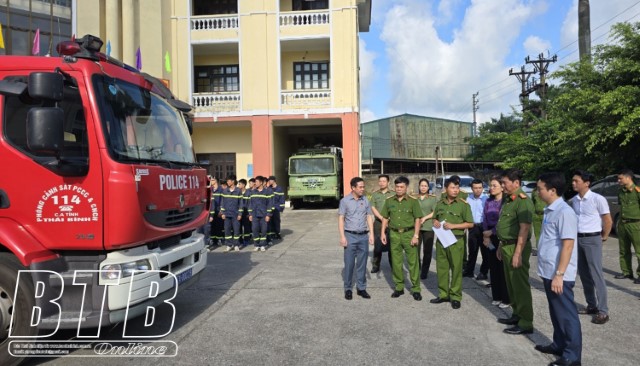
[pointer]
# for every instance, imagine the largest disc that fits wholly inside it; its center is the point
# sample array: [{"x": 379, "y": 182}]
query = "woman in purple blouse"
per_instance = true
[{"x": 490, "y": 217}]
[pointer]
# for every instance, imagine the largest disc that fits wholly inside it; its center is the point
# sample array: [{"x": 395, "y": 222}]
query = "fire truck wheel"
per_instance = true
[{"x": 9, "y": 267}]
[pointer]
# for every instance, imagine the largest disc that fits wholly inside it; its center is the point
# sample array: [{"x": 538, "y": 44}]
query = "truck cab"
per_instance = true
[
  {"x": 100, "y": 195},
  {"x": 315, "y": 175}
]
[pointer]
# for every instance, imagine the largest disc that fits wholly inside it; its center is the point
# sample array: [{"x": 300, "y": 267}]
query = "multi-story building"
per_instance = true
[
  {"x": 266, "y": 77},
  {"x": 21, "y": 19}
]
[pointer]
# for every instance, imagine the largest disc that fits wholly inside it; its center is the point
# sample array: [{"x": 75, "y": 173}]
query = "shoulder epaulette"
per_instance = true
[
  {"x": 462, "y": 200},
  {"x": 524, "y": 196},
  {"x": 431, "y": 195},
  {"x": 637, "y": 189}
]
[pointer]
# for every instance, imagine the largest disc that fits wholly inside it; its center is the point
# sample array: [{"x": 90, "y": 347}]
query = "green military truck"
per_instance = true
[{"x": 315, "y": 175}]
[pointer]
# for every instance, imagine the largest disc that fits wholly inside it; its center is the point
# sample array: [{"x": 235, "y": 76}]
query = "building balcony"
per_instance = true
[
  {"x": 216, "y": 103},
  {"x": 207, "y": 28},
  {"x": 305, "y": 99},
  {"x": 300, "y": 24}
]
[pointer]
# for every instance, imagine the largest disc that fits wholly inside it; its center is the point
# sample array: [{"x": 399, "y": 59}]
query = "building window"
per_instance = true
[
  {"x": 208, "y": 7},
  {"x": 311, "y": 75},
  {"x": 221, "y": 78},
  {"x": 221, "y": 165},
  {"x": 310, "y": 4}
]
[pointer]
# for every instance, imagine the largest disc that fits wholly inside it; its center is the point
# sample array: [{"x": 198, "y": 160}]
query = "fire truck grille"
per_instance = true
[
  {"x": 173, "y": 218},
  {"x": 312, "y": 184}
]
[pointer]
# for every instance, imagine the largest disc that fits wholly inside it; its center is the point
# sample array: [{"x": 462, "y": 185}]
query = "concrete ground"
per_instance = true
[{"x": 286, "y": 306}]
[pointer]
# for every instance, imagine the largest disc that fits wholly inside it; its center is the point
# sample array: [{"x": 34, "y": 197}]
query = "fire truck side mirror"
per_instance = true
[
  {"x": 46, "y": 85},
  {"x": 45, "y": 130}
]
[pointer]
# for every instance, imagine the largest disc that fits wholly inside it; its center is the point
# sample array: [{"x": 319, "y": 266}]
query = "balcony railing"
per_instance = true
[
  {"x": 302, "y": 18},
  {"x": 309, "y": 98},
  {"x": 214, "y": 22},
  {"x": 216, "y": 102}
]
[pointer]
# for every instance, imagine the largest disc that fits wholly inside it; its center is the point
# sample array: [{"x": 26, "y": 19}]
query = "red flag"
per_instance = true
[{"x": 35, "y": 50}]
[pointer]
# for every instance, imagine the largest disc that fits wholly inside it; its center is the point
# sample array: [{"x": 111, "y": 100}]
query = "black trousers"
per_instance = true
[
  {"x": 425, "y": 243},
  {"x": 378, "y": 248},
  {"x": 496, "y": 271},
  {"x": 475, "y": 245}
]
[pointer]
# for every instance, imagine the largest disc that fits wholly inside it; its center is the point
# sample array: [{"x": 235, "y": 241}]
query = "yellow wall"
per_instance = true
[
  {"x": 287, "y": 60},
  {"x": 160, "y": 26},
  {"x": 211, "y": 60},
  {"x": 223, "y": 139}
]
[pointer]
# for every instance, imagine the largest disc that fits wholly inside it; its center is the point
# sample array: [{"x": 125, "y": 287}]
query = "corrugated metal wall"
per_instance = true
[{"x": 415, "y": 137}]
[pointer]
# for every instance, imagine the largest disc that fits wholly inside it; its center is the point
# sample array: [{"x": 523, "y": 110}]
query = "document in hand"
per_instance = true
[{"x": 445, "y": 236}]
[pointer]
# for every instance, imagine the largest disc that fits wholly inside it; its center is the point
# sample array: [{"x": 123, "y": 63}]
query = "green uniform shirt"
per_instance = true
[
  {"x": 401, "y": 214},
  {"x": 629, "y": 203},
  {"x": 456, "y": 212},
  {"x": 377, "y": 199},
  {"x": 538, "y": 203},
  {"x": 516, "y": 209},
  {"x": 427, "y": 205}
]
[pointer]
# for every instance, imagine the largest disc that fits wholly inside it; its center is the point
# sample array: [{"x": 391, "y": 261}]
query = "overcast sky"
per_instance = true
[{"x": 428, "y": 57}]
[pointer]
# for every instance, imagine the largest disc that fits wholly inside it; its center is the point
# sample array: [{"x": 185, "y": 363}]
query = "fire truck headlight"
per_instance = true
[
  {"x": 140, "y": 265},
  {"x": 123, "y": 270},
  {"x": 110, "y": 272}
]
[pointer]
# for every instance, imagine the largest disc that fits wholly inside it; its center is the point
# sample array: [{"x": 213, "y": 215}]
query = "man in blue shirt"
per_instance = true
[
  {"x": 476, "y": 201},
  {"x": 557, "y": 266},
  {"x": 355, "y": 225}
]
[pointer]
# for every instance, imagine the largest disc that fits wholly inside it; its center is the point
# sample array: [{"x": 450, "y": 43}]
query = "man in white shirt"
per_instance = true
[{"x": 594, "y": 226}]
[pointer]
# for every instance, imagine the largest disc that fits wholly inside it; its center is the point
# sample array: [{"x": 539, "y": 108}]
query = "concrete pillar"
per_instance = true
[
  {"x": 261, "y": 145},
  {"x": 129, "y": 31},
  {"x": 350, "y": 149},
  {"x": 114, "y": 35}
]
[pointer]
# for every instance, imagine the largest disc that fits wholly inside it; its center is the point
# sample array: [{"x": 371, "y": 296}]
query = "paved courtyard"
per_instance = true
[{"x": 286, "y": 306}]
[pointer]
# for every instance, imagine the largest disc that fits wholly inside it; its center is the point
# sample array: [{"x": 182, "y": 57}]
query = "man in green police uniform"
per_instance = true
[
  {"x": 456, "y": 214},
  {"x": 377, "y": 202},
  {"x": 629, "y": 224},
  {"x": 514, "y": 233},
  {"x": 402, "y": 214},
  {"x": 538, "y": 211}
]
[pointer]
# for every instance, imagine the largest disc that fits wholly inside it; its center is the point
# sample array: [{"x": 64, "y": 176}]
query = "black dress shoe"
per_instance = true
[
  {"x": 455, "y": 304},
  {"x": 588, "y": 311},
  {"x": 622, "y": 276},
  {"x": 424, "y": 275},
  {"x": 509, "y": 321},
  {"x": 467, "y": 274},
  {"x": 438, "y": 300},
  {"x": 375, "y": 269},
  {"x": 563, "y": 362},
  {"x": 364, "y": 294},
  {"x": 534, "y": 252},
  {"x": 549, "y": 349},
  {"x": 417, "y": 296},
  {"x": 517, "y": 330},
  {"x": 348, "y": 295},
  {"x": 637, "y": 281},
  {"x": 397, "y": 293}
]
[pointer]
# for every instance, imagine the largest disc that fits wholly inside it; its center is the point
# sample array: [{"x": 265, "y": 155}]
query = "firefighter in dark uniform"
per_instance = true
[
  {"x": 230, "y": 206},
  {"x": 278, "y": 208},
  {"x": 260, "y": 211},
  {"x": 217, "y": 225},
  {"x": 245, "y": 224}
]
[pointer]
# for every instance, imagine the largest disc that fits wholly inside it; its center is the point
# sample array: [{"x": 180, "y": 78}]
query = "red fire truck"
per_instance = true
[{"x": 100, "y": 193}]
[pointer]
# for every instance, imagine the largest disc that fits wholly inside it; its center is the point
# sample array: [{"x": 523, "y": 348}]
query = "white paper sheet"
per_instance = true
[{"x": 445, "y": 236}]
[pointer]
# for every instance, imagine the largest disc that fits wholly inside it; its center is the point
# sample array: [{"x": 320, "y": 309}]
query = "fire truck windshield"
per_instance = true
[
  {"x": 311, "y": 166},
  {"x": 140, "y": 125}
]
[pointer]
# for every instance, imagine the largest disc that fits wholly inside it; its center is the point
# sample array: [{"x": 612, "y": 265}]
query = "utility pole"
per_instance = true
[
  {"x": 541, "y": 65},
  {"x": 475, "y": 109},
  {"x": 523, "y": 78}
]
